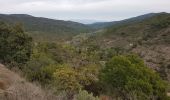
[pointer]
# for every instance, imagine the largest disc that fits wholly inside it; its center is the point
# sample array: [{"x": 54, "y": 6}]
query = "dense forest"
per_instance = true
[{"x": 123, "y": 60}]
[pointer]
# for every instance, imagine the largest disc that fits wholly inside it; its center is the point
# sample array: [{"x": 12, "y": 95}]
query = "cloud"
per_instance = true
[{"x": 84, "y": 9}]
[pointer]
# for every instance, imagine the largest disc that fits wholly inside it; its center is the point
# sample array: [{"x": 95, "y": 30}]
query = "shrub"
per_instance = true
[
  {"x": 128, "y": 78},
  {"x": 66, "y": 78},
  {"x": 40, "y": 67},
  {"x": 88, "y": 76},
  {"x": 84, "y": 95},
  {"x": 72, "y": 80}
]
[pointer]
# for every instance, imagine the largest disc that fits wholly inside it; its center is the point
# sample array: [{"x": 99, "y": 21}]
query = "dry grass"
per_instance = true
[
  {"x": 2, "y": 85},
  {"x": 13, "y": 87},
  {"x": 168, "y": 94}
]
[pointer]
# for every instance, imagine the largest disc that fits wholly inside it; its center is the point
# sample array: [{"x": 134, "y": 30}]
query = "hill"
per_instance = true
[
  {"x": 13, "y": 87},
  {"x": 45, "y": 26},
  {"x": 78, "y": 64},
  {"x": 149, "y": 37},
  {"x": 100, "y": 25}
]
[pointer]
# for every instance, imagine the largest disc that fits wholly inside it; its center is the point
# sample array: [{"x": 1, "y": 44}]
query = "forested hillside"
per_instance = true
[
  {"x": 39, "y": 26},
  {"x": 127, "y": 61}
]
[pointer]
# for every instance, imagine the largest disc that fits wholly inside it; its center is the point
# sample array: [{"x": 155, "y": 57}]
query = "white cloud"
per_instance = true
[{"x": 84, "y": 9}]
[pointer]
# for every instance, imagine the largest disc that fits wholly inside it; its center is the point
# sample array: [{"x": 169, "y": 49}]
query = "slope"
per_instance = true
[
  {"x": 45, "y": 26},
  {"x": 149, "y": 38},
  {"x": 100, "y": 25},
  {"x": 13, "y": 87}
]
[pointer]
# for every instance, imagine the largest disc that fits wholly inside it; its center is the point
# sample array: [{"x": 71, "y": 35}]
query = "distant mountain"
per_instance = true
[
  {"x": 44, "y": 25},
  {"x": 100, "y": 25},
  {"x": 85, "y": 21},
  {"x": 148, "y": 28}
]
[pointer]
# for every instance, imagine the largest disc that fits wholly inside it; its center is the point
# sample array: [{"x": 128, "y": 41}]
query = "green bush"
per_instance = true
[
  {"x": 44, "y": 75},
  {"x": 84, "y": 95},
  {"x": 128, "y": 78}
]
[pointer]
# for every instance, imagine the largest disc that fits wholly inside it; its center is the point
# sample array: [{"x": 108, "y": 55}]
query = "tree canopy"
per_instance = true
[{"x": 15, "y": 45}]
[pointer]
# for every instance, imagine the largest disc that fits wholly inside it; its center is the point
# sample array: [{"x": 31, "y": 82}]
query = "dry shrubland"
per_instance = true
[{"x": 13, "y": 87}]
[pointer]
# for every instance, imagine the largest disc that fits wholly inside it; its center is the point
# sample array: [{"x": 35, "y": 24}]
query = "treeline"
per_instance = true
[{"x": 78, "y": 73}]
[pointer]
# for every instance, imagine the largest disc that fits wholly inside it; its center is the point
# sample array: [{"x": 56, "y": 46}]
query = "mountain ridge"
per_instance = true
[
  {"x": 43, "y": 25},
  {"x": 100, "y": 25}
]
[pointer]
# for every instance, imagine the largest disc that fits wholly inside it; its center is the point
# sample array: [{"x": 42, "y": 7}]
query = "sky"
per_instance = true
[{"x": 84, "y": 10}]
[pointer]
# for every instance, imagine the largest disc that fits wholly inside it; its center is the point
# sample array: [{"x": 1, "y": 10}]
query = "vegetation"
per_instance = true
[
  {"x": 66, "y": 78},
  {"x": 39, "y": 27},
  {"x": 16, "y": 46},
  {"x": 120, "y": 62},
  {"x": 84, "y": 95},
  {"x": 127, "y": 77}
]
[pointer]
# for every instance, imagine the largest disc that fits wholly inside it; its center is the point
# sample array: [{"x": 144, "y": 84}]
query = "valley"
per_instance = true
[{"x": 119, "y": 60}]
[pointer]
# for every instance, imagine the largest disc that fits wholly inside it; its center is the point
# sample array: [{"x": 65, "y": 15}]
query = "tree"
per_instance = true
[
  {"x": 128, "y": 78},
  {"x": 41, "y": 65},
  {"x": 15, "y": 45}
]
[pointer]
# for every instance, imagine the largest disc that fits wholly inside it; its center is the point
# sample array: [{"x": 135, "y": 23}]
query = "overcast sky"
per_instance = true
[{"x": 99, "y": 10}]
